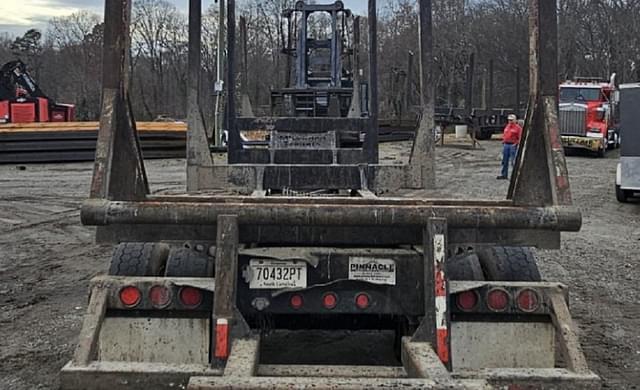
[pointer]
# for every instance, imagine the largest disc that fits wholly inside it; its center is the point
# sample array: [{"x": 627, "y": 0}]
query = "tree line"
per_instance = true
[{"x": 597, "y": 38}]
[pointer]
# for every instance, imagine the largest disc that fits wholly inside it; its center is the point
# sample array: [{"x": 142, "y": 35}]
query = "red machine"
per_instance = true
[
  {"x": 588, "y": 114},
  {"x": 22, "y": 101}
]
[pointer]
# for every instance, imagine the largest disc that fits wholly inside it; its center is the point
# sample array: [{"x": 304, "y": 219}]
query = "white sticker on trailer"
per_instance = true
[{"x": 373, "y": 270}]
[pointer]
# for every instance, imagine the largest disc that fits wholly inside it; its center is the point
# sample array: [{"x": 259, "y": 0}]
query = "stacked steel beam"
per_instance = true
[{"x": 76, "y": 141}]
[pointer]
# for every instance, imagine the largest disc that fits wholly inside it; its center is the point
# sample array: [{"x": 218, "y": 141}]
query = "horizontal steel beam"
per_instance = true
[
  {"x": 303, "y": 125},
  {"x": 103, "y": 212},
  {"x": 327, "y": 383},
  {"x": 333, "y": 200}
]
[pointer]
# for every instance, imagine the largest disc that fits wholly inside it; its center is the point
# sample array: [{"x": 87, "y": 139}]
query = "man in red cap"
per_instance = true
[{"x": 510, "y": 140}]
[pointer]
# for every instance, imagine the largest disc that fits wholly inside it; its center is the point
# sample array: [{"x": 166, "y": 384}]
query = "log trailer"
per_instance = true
[
  {"x": 194, "y": 275},
  {"x": 22, "y": 100}
]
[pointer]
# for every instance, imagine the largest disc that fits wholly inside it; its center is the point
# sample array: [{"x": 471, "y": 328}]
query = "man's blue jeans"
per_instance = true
[{"x": 509, "y": 152}]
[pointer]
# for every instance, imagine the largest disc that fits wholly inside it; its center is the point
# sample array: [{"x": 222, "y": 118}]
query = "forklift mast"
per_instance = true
[
  {"x": 324, "y": 83},
  {"x": 319, "y": 61}
]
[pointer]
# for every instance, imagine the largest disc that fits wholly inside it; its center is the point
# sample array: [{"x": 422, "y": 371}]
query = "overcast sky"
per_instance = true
[{"x": 17, "y": 16}]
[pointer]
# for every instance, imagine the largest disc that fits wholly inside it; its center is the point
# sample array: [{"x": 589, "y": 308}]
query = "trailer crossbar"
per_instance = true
[{"x": 101, "y": 212}]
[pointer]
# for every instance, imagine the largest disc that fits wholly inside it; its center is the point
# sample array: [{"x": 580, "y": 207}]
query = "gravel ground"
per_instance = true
[{"x": 47, "y": 259}]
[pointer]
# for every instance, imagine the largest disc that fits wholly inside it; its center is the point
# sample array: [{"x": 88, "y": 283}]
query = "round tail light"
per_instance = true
[
  {"x": 329, "y": 300},
  {"x": 296, "y": 301},
  {"x": 467, "y": 300},
  {"x": 362, "y": 301},
  {"x": 528, "y": 300},
  {"x": 498, "y": 299},
  {"x": 190, "y": 297},
  {"x": 130, "y": 296},
  {"x": 160, "y": 296}
]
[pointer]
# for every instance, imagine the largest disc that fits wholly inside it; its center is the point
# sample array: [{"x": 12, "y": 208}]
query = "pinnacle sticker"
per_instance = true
[{"x": 373, "y": 270}]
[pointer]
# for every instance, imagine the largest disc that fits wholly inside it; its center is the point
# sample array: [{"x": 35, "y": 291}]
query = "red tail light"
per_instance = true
[
  {"x": 296, "y": 301},
  {"x": 190, "y": 297},
  {"x": 130, "y": 296},
  {"x": 329, "y": 300},
  {"x": 467, "y": 300},
  {"x": 362, "y": 301},
  {"x": 497, "y": 299},
  {"x": 528, "y": 300},
  {"x": 160, "y": 296}
]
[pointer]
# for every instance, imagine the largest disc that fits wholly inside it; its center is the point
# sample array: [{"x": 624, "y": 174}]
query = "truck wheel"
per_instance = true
[
  {"x": 139, "y": 259},
  {"x": 511, "y": 264},
  {"x": 185, "y": 262},
  {"x": 483, "y": 134},
  {"x": 464, "y": 267},
  {"x": 621, "y": 195}
]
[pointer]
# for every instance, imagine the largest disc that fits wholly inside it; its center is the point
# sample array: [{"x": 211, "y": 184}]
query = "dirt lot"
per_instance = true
[{"x": 47, "y": 259}]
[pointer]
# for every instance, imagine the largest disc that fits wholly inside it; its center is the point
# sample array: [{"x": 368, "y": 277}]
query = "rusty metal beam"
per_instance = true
[
  {"x": 197, "y": 143},
  {"x": 245, "y": 102},
  {"x": 235, "y": 143},
  {"x": 104, "y": 212},
  {"x": 224, "y": 304},
  {"x": 541, "y": 176},
  {"x": 371, "y": 140},
  {"x": 422, "y": 160},
  {"x": 119, "y": 171},
  {"x": 355, "y": 109}
]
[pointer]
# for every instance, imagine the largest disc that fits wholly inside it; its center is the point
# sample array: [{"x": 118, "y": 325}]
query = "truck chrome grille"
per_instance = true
[{"x": 573, "y": 119}]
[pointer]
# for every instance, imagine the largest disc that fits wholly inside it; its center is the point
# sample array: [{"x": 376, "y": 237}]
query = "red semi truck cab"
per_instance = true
[{"x": 588, "y": 112}]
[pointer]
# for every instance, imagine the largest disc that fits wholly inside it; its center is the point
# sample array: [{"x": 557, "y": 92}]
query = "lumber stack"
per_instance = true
[{"x": 76, "y": 141}]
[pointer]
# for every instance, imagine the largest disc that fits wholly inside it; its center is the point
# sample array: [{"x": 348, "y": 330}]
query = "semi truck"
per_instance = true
[
  {"x": 589, "y": 114},
  {"x": 308, "y": 233}
]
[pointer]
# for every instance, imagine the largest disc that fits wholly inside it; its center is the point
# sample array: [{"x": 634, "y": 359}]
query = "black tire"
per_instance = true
[
  {"x": 185, "y": 262},
  {"x": 621, "y": 195},
  {"x": 464, "y": 267},
  {"x": 139, "y": 259},
  {"x": 483, "y": 135},
  {"x": 511, "y": 264}
]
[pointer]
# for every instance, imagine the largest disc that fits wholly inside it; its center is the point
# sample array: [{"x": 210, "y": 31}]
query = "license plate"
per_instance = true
[{"x": 276, "y": 274}]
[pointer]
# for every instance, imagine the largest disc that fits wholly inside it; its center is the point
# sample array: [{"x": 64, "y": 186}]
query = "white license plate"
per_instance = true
[{"x": 276, "y": 274}]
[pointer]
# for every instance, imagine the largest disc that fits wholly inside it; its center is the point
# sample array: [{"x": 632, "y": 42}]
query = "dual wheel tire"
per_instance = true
[
  {"x": 159, "y": 259},
  {"x": 499, "y": 263}
]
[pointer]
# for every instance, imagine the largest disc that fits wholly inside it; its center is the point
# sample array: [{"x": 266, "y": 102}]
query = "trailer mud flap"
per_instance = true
[
  {"x": 478, "y": 345},
  {"x": 165, "y": 340}
]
